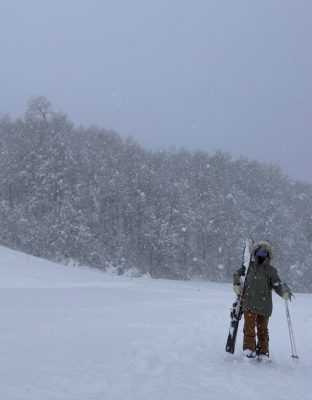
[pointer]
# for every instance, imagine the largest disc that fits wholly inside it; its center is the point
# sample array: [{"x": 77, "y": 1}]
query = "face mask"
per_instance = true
[{"x": 260, "y": 259}]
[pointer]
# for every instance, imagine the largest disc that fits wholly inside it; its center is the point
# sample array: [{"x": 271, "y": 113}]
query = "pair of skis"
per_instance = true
[{"x": 236, "y": 309}]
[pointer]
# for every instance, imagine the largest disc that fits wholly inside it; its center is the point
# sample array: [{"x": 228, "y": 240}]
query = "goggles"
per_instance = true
[{"x": 262, "y": 252}]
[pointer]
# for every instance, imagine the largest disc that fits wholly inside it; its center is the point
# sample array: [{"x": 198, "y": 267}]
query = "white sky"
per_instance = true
[{"x": 217, "y": 74}]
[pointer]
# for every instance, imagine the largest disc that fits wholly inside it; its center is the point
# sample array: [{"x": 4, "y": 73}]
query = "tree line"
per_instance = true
[{"x": 86, "y": 194}]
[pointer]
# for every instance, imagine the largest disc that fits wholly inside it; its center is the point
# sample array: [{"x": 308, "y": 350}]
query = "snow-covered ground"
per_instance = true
[{"x": 74, "y": 333}]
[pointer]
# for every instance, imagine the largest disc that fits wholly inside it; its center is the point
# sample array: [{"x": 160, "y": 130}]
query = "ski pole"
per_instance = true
[{"x": 294, "y": 354}]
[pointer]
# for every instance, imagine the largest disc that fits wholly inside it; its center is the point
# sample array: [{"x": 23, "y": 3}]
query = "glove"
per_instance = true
[
  {"x": 287, "y": 292},
  {"x": 286, "y": 296},
  {"x": 237, "y": 289}
]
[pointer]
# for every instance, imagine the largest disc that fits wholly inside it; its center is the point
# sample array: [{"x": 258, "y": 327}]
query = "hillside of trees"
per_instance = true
[{"x": 88, "y": 195}]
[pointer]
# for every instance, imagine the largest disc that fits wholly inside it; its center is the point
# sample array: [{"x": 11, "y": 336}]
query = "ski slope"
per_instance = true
[{"x": 74, "y": 333}]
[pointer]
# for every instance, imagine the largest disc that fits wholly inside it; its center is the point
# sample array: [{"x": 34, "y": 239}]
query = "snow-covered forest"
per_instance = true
[{"x": 88, "y": 195}]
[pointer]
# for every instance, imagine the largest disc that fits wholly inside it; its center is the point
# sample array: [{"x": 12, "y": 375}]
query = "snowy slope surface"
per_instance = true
[{"x": 73, "y": 333}]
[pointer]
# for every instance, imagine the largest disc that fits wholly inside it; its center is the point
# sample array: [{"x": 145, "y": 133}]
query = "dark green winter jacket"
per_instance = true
[{"x": 261, "y": 279}]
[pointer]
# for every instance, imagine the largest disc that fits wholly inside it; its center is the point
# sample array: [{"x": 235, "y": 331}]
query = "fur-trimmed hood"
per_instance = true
[{"x": 265, "y": 245}]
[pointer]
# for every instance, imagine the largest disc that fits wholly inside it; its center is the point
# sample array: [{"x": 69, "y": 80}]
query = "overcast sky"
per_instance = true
[{"x": 203, "y": 74}]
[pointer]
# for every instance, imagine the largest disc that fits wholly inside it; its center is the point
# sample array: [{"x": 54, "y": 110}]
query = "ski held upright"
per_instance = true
[{"x": 236, "y": 309}]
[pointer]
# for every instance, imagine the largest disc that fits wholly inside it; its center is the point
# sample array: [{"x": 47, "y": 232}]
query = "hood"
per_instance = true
[{"x": 264, "y": 244}]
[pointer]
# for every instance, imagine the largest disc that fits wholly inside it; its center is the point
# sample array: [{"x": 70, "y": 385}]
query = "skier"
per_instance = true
[{"x": 261, "y": 279}]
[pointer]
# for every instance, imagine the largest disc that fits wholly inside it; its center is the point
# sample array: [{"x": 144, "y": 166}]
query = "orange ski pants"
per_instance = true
[{"x": 253, "y": 321}]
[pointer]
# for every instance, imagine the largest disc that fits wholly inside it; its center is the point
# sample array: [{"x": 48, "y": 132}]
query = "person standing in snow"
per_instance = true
[{"x": 261, "y": 279}]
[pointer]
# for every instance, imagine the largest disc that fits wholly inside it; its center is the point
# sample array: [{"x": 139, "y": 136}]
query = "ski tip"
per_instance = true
[{"x": 229, "y": 350}]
